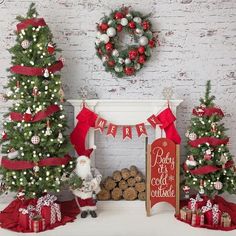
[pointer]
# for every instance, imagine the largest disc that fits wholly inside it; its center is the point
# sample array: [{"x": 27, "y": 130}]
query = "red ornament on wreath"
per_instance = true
[{"x": 124, "y": 61}]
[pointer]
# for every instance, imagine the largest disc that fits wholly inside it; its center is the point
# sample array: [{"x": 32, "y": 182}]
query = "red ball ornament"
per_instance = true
[
  {"x": 109, "y": 47},
  {"x": 152, "y": 43},
  {"x": 119, "y": 15},
  {"x": 103, "y": 26},
  {"x": 50, "y": 48},
  {"x": 146, "y": 25},
  {"x": 141, "y": 59},
  {"x": 111, "y": 63},
  {"x": 129, "y": 71},
  {"x": 133, "y": 54},
  {"x": 132, "y": 25},
  {"x": 119, "y": 28},
  {"x": 141, "y": 50}
]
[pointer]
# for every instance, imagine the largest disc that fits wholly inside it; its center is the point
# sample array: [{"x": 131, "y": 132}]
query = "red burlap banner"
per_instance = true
[
  {"x": 208, "y": 111},
  {"x": 207, "y": 169},
  {"x": 100, "y": 124},
  {"x": 33, "y": 21},
  {"x": 141, "y": 130},
  {"x": 211, "y": 140},
  {"x": 15, "y": 116},
  {"x": 36, "y": 71},
  {"x": 127, "y": 132},
  {"x": 112, "y": 130},
  {"x": 23, "y": 165}
]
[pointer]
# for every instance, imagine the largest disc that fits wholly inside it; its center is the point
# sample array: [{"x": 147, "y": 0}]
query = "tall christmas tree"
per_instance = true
[
  {"x": 33, "y": 139},
  {"x": 209, "y": 167}
]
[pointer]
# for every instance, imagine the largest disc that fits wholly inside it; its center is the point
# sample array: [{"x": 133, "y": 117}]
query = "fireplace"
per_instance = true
[{"x": 114, "y": 153}]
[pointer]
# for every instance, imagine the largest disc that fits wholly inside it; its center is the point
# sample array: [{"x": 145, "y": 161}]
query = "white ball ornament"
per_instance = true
[
  {"x": 118, "y": 68},
  {"x": 143, "y": 41},
  {"x": 121, "y": 60},
  {"x": 97, "y": 41},
  {"x": 218, "y": 185},
  {"x": 111, "y": 32},
  {"x": 139, "y": 32},
  {"x": 192, "y": 136},
  {"x": 127, "y": 61},
  {"x": 137, "y": 66},
  {"x": 123, "y": 21},
  {"x": 35, "y": 139},
  {"x": 104, "y": 58},
  {"x": 104, "y": 38},
  {"x": 25, "y": 44},
  {"x": 98, "y": 34},
  {"x": 110, "y": 22},
  {"x": 137, "y": 20},
  {"x": 115, "y": 53}
]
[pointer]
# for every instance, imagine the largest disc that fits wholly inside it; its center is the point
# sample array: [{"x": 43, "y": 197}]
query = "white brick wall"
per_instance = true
[{"x": 197, "y": 43}]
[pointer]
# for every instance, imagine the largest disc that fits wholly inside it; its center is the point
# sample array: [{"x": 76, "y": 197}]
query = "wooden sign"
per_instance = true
[{"x": 162, "y": 169}]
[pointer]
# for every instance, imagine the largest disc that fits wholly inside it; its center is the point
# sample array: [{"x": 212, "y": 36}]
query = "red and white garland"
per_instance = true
[{"x": 130, "y": 60}]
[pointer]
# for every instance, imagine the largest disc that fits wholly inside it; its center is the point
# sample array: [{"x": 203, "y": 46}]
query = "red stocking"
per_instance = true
[
  {"x": 167, "y": 119},
  {"x": 86, "y": 119}
]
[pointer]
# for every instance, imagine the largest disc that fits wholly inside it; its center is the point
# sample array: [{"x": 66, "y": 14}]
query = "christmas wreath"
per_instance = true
[{"x": 124, "y": 62}]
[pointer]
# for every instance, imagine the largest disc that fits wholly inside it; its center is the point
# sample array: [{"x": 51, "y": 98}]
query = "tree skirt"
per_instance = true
[
  {"x": 224, "y": 206},
  {"x": 9, "y": 217}
]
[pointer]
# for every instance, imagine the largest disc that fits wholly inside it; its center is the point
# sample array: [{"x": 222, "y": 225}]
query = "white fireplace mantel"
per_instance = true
[{"x": 123, "y": 112}]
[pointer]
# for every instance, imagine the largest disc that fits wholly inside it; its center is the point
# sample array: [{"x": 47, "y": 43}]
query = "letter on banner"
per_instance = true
[
  {"x": 112, "y": 130},
  {"x": 100, "y": 124},
  {"x": 141, "y": 129},
  {"x": 127, "y": 132}
]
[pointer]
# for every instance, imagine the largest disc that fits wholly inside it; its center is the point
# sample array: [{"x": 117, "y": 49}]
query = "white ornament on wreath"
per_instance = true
[
  {"x": 118, "y": 69},
  {"x": 97, "y": 41},
  {"x": 137, "y": 66},
  {"x": 121, "y": 60},
  {"x": 143, "y": 41},
  {"x": 104, "y": 38},
  {"x": 35, "y": 139},
  {"x": 123, "y": 21},
  {"x": 127, "y": 61},
  {"x": 129, "y": 16},
  {"x": 139, "y": 32},
  {"x": 115, "y": 53},
  {"x": 110, "y": 22},
  {"x": 111, "y": 32},
  {"x": 137, "y": 19}
]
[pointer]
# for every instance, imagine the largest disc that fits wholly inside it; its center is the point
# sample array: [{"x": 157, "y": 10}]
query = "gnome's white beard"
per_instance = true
[{"x": 84, "y": 170}]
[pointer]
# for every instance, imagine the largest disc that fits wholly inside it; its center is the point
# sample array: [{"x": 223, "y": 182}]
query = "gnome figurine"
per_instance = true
[{"x": 90, "y": 186}]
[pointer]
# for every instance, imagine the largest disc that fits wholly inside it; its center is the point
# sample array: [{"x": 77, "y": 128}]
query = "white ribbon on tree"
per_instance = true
[
  {"x": 193, "y": 201},
  {"x": 215, "y": 211}
]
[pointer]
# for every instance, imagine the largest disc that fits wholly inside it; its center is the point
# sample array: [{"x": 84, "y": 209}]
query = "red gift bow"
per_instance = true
[
  {"x": 33, "y": 21},
  {"x": 15, "y": 116}
]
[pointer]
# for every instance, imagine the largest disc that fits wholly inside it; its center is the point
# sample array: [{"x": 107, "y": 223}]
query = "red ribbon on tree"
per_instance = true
[
  {"x": 33, "y": 21},
  {"x": 36, "y": 71},
  {"x": 127, "y": 132},
  {"x": 211, "y": 140},
  {"x": 112, "y": 130},
  {"x": 23, "y": 165},
  {"x": 207, "y": 169},
  {"x": 15, "y": 116},
  {"x": 209, "y": 111}
]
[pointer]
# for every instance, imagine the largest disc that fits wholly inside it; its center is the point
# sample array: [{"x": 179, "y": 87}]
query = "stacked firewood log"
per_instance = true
[{"x": 128, "y": 184}]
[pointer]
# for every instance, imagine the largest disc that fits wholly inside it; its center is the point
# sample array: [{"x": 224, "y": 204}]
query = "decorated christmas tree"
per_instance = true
[
  {"x": 209, "y": 167},
  {"x": 34, "y": 145}
]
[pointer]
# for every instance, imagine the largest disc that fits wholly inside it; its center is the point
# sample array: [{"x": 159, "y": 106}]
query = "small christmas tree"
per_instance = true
[
  {"x": 33, "y": 140},
  {"x": 209, "y": 167}
]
